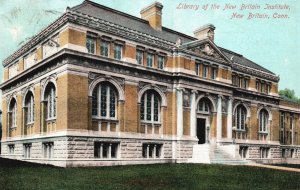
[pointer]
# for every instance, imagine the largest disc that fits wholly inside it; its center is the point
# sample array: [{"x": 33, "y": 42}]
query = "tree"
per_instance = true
[{"x": 289, "y": 95}]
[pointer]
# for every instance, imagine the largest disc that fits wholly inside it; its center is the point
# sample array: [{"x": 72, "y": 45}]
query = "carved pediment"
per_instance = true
[{"x": 206, "y": 48}]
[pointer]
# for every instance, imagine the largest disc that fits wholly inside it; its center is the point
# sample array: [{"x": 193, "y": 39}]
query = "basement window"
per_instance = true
[
  {"x": 106, "y": 150},
  {"x": 48, "y": 149},
  {"x": 152, "y": 150},
  {"x": 27, "y": 150},
  {"x": 11, "y": 149},
  {"x": 264, "y": 152}
]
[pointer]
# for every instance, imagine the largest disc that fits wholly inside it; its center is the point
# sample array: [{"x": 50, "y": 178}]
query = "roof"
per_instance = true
[
  {"x": 129, "y": 21},
  {"x": 135, "y": 23},
  {"x": 240, "y": 59}
]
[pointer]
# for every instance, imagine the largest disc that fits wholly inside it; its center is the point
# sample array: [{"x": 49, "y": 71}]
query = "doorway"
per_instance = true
[{"x": 201, "y": 130}]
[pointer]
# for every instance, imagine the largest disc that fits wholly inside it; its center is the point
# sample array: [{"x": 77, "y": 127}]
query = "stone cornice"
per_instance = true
[
  {"x": 92, "y": 22},
  {"x": 36, "y": 39}
]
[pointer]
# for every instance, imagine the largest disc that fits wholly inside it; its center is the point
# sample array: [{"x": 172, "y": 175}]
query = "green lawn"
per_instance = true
[{"x": 20, "y": 175}]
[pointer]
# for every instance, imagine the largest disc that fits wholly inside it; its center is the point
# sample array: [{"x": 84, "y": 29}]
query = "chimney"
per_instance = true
[
  {"x": 206, "y": 31},
  {"x": 152, "y": 13}
]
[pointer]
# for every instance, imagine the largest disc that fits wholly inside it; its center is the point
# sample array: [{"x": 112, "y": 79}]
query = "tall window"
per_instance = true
[
  {"x": 262, "y": 88},
  {"x": 240, "y": 117},
  {"x": 140, "y": 57},
  {"x": 161, "y": 62},
  {"x": 282, "y": 140},
  {"x": 214, "y": 72},
  {"x": 29, "y": 105},
  {"x": 150, "y": 107},
  {"x": 150, "y": 58},
  {"x": 205, "y": 71},
  {"x": 104, "y": 101},
  {"x": 257, "y": 86},
  {"x": 118, "y": 51},
  {"x": 263, "y": 121},
  {"x": 91, "y": 44},
  {"x": 50, "y": 97},
  {"x": 104, "y": 48},
  {"x": 197, "y": 69},
  {"x": 246, "y": 83},
  {"x": 203, "y": 105},
  {"x": 13, "y": 113},
  {"x": 268, "y": 88}
]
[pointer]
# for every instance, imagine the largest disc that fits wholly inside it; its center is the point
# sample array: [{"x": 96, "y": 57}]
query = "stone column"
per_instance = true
[
  {"x": 219, "y": 118},
  {"x": 179, "y": 112},
  {"x": 229, "y": 118},
  {"x": 193, "y": 114}
]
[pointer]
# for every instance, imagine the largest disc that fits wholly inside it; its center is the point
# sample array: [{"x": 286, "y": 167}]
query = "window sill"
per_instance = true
[
  {"x": 51, "y": 119},
  {"x": 240, "y": 130},
  {"x": 263, "y": 133},
  {"x": 149, "y": 122},
  {"x": 13, "y": 128},
  {"x": 105, "y": 119},
  {"x": 31, "y": 123}
]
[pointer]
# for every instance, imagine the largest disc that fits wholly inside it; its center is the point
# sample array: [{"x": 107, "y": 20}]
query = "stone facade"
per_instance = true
[{"x": 107, "y": 94}]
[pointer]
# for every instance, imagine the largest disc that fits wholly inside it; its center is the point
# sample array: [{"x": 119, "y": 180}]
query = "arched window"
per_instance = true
[
  {"x": 240, "y": 117},
  {"x": 104, "y": 101},
  {"x": 204, "y": 105},
  {"x": 29, "y": 105},
  {"x": 150, "y": 107},
  {"x": 263, "y": 121},
  {"x": 13, "y": 113},
  {"x": 50, "y": 98}
]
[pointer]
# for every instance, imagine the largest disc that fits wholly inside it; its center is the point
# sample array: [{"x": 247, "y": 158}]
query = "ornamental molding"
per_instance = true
[{"x": 254, "y": 72}]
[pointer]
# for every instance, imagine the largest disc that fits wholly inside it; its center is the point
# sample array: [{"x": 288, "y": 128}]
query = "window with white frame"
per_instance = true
[
  {"x": 204, "y": 105},
  {"x": 27, "y": 150},
  {"x": 118, "y": 48},
  {"x": 240, "y": 117},
  {"x": 91, "y": 43},
  {"x": 104, "y": 101},
  {"x": 104, "y": 48},
  {"x": 160, "y": 62},
  {"x": 263, "y": 121},
  {"x": 150, "y": 58},
  {"x": 50, "y": 98},
  {"x": 11, "y": 149},
  {"x": 214, "y": 72},
  {"x": 13, "y": 113},
  {"x": 106, "y": 149},
  {"x": 152, "y": 150},
  {"x": 150, "y": 107},
  {"x": 29, "y": 105},
  {"x": 48, "y": 148},
  {"x": 282, "y": 128},
  {"x": 140, "y": 56},
  {"x": 268, "y": 88},
  {"x": 197, "y": 69},
  {"x": 205, "y": 71}
]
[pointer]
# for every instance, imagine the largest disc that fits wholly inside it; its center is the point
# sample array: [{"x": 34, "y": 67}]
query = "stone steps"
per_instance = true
[{"x": 213, "y": 153}]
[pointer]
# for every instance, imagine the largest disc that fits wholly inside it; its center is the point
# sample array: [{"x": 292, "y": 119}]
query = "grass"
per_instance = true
[{"x": 21, "y": 175}]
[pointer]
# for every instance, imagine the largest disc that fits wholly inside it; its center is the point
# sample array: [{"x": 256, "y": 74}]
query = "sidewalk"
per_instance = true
[{"x": 276, "y": 167}]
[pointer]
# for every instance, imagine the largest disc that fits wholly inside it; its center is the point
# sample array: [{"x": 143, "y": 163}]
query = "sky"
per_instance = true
[{"x": 273, "y": 43}]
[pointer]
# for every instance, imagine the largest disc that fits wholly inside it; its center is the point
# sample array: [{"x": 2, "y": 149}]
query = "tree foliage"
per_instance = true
[{"x": 289, "y": 95}]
